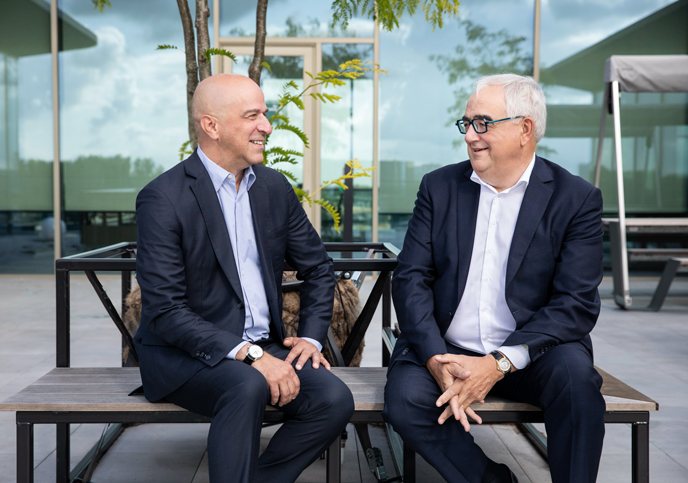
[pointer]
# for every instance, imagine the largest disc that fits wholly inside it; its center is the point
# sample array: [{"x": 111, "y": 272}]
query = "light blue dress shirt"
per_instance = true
[{"x": 236, "y": 210}]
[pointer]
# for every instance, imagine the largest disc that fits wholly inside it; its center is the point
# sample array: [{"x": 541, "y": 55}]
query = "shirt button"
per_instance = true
[
  {"x": 484, "y": 309},
  {"x": 489, "y": 250},
  {"x": 486, "y": 337},
  {"x": 242, "y": 273},
  {"x": 487, "y": 279},
  {"x": 494, "y": 222}
]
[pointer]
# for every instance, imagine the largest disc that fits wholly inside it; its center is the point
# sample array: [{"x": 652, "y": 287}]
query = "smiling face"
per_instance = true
[
  {"x": 231, "y": 114},
  {"x": 243, "y": 126},
  {"x": 498, "y": 155}
]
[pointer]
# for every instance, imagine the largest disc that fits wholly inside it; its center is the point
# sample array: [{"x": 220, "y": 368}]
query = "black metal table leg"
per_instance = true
[
  {"x": 640, "y": 452},
  {"x": 409, "y": 465},
  {"x": 334, "y": 461},
  {"x": 62, "y": 451},
  {"x": 24, "y": 452}
]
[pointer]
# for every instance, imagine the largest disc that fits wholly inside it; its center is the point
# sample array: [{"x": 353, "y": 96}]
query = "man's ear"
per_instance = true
[
  {"x": 527, "y": 130},
  {"x": 209, "y": 124}
]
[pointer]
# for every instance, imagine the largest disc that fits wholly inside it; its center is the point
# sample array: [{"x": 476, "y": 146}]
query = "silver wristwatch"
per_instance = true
[{"x": 254, "y": 353}]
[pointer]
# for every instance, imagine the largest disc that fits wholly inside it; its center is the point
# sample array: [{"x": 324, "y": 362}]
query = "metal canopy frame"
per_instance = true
[{"x": 637, "y": 73}]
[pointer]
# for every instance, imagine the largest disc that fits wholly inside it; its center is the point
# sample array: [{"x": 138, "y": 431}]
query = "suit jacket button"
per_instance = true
[
  {"x": 207, "y": 357},
  {"x": 198, "y": 353},
  {"x": 240, "y": 305},
  {"x": 202, "y": 354},
  {"x": 404, "y": 352}
]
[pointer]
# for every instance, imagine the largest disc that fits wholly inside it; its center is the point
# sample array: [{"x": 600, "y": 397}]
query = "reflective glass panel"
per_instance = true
[
  {"x": 122, "y": 113},
  {"x": 429, "y": 82},
  {"x": 26, "y": 152},
  {"x": 577, "y": 39},
  {"x": 347, "y": 134}
]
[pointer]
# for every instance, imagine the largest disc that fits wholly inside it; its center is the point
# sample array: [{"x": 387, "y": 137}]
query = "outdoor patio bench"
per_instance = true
[
  {"x": 101, "y": 395},
  {"x": 69, "y": 395}
]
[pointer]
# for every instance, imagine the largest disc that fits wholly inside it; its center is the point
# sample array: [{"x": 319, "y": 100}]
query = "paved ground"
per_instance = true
[{"x": 649, "y": 351}]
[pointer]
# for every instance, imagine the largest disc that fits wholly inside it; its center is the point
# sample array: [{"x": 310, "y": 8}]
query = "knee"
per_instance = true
[
  {"x": 253, "y": 392},
  {"x": 406, "y": 406},
  {"x": 339, "y": 401},
  {"x": 578, "y": 386}
]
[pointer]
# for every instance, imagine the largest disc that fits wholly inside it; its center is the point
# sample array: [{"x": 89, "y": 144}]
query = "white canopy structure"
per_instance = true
[{"x": 633, "y": 73}]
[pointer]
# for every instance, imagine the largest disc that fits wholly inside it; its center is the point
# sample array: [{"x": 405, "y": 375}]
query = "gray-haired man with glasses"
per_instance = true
[{"x": 496, "y": 292}]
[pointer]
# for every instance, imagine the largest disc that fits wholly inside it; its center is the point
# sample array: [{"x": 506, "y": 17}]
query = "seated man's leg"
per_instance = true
[
  {"x": 566, "y": 386},
  {"x": 410, "y": 408},
  {"x": 316, "y": 418},
  {"x": 234, "y": 395}
]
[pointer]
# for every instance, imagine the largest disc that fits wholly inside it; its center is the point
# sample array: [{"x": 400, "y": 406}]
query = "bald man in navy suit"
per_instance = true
[{"x": 213, "y": 235}]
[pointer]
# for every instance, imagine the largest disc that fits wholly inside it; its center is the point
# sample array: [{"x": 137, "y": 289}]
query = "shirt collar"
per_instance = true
[
  {"x": 524, "y": 179},
  {"x": 218, "y": 175}
]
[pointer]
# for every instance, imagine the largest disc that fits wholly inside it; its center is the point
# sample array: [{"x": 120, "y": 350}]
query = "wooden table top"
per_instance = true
[{"x": 107, "y": 389}]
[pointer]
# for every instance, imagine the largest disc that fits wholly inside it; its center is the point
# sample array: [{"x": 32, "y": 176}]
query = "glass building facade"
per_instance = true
[{"x": 122, "y": 106}]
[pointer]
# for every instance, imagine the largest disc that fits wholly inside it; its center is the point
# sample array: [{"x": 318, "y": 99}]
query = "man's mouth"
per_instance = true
[
  {"x": 259, "y": 143},
  {"x": 477, "y": 150}
]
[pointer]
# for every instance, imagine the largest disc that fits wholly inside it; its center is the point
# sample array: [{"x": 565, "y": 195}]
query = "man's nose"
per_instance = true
[
  {"x": 471, "y": 135},
  {"x": 265, "y": 126}
]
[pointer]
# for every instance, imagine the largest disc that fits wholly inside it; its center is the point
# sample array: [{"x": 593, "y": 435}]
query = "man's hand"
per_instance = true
[
  {"x": 282, "y": 379},
  {"x": 450, "y": 376},
  {"x": 483, "y": 375},
  {"x": 304, "y": 350}
]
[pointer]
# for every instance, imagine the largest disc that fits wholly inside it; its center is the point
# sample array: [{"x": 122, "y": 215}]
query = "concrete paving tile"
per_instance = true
[
  {"x": 679, "y": 457},
  {"x": 116, "y": 467},
  {"x": 162, "y": 438},
  {"x": 8, "y": 468}
]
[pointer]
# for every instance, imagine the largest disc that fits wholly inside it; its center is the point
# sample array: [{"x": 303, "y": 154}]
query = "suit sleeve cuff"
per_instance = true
[
  {"x": 314, "y": 342},
  {"x": 517, "y": 354},
  {"x": 235, "y": 351}
]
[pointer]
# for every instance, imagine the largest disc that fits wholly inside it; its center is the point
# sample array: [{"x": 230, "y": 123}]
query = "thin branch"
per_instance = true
[
  {"x": 259, "y": 52},
  {"x": 191, "y": 67},
  {"x": 202, "y": 14}
]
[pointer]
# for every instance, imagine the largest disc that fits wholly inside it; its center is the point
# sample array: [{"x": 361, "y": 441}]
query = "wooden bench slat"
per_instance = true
[{"x": 85, "y": 389}]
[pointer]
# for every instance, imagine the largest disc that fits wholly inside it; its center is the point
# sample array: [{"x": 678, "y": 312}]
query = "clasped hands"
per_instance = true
[
  {"x": 464, "y": 380},
  {"x": 282, "y": 380}
]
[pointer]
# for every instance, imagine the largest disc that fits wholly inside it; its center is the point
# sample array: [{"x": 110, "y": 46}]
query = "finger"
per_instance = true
[
  {"x": 474, "y": 416},
  {"x": 315, "y": 357},
  {"x": 464, "y": 421},
  {"x": 456, "y": 408},
  {"x": 274, "y": 393},
  {"x": 324, "y": 362},
  {"x": 302, "y": 360},
  {"x": 293, "y": 354},
  {"x": 446, "y": 396},
  {"x": 289, "y": 341},
  {"x": 286, "y": 392},
  {"x": 446, "y": 414}
]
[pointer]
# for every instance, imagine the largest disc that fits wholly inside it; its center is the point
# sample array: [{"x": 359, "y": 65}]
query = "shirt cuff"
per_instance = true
[
  {"x": 233, "y": 353},
  {"x": 517, "y": 354},
  {"x": 314, "y": 342}
]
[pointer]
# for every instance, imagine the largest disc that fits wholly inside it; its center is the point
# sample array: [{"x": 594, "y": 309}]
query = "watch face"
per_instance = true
[
  {"x": 255, "y": 352},
  {"x": 504, "y": 365}
]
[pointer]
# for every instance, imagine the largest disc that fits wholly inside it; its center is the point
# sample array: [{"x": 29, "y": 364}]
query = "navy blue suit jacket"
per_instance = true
[
  {"x": 193, "y": 309},
  {"x": 553, "y": 270}
]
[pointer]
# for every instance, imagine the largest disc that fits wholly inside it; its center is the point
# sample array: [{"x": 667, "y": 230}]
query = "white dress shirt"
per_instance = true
[
  {"x": 236, "y": 209},
  {"x": 483, "y": 320}
]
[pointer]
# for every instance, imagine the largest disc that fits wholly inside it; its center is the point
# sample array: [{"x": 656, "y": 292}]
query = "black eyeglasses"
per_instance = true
[{"x": 479, "y": 125}]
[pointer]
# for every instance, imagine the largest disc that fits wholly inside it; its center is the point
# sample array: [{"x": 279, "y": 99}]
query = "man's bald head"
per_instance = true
[
  {"x": 215, "y": 95},
  {"x": 230, "y": 120}
]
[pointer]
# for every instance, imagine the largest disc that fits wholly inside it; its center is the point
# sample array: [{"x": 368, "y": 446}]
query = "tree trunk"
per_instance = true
[
  {"x": 191, "y": 66},
  {"x": 202, "y": 14},
  {"x": 259, "y": 51}
]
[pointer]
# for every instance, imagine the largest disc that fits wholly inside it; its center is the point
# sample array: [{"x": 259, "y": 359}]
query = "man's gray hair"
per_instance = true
[{"x": 523, "y": 97}]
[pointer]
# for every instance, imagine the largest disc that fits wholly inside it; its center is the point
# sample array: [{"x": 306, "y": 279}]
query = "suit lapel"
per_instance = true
[
  {"x": 260, "y": 207},
  {"x": 467, "y": 213},
  {"x": 205, "y": 194},
  {"x": 535, "y": 201}
]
